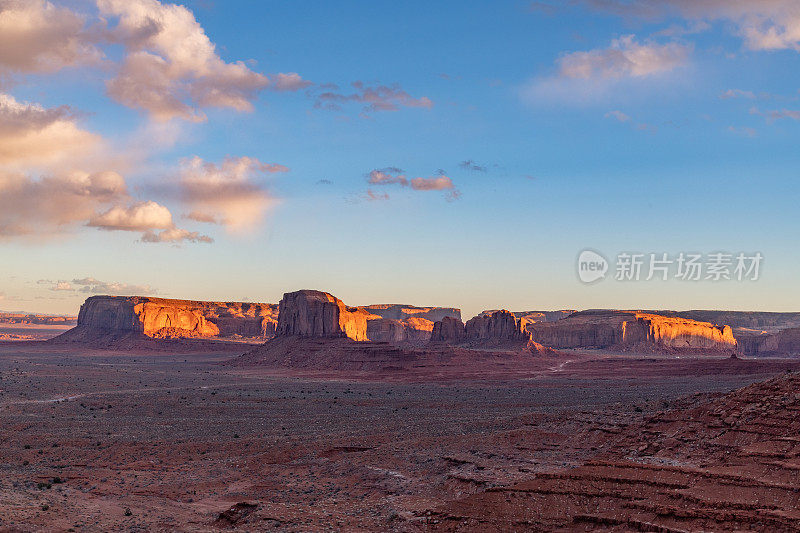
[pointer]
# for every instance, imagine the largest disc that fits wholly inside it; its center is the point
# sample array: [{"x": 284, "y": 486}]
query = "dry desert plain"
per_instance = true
[
  {"x": 311, "y": 415},
  {"x": 182, "y": 440}
]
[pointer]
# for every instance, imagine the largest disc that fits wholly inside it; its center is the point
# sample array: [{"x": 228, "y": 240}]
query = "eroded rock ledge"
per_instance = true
[
  {"x": 162, "y": 317},
  {"x": 632, "y": 330}
]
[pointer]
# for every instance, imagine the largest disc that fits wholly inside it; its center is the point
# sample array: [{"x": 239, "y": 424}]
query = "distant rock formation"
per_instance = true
[
  {"x": 309, "y": 313},
  {"x": 167, "y": 318},
  {"x": 766, "y": 343},
  {"x": 411, "y": 330},
  {"x": 403, "y": 312},
  {"x": 448, "y": 330},
  {"x": 538, "y": 316},
  {"x": 633, "y": 330},
  {"x": 500, "y": 326}
]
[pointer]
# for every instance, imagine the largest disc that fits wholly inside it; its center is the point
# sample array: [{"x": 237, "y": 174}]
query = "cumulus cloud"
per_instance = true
[
  {"x": 36, "y": 36},
  {"x": 394, "y": 176},
  {"x": 372, "y": 98},
  {"x": 114, "y": 288},
  {"x": 172, "y": 69},
  {"x": 31, "y": 135},
  {"x": 146, "y": 217},
  {"x": 227, "y": 193},
  {"x": 291, "y": 81},
  {"x": 141, "y": 216},
  {"x": 51, "y": 204}
]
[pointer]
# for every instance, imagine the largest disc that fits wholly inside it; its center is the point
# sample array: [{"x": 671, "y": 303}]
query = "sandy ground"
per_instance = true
[{"x": 110, "y": 441}]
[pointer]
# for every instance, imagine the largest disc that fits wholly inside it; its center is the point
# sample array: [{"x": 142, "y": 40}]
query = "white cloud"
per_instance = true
[
  {"x": 227, "y": 193},
  {"x": 291, "y": 81},
  {"x": 49, "y": 205},
  {"x": 625, "y": 58},
  {"x": 141, "y": 216},
  {"x": 603, "y": 74},
  {"x": 31, "y": 135},
  {"x": 172, "y": 69},
  {"x": 36, "y": 36}
]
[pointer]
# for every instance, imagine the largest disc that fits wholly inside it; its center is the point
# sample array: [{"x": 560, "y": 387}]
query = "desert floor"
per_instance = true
[{"x": 102, "y": 441}]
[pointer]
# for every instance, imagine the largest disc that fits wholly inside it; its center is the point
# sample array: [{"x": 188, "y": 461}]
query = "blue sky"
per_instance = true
[{"x": 535, "y": 129}]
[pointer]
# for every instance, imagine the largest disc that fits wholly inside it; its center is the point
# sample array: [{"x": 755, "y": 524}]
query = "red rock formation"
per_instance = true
[
  {"x": 448, "y": 330},
  {"x": 630, "y": 329},
  {"x": 677, "y": 333},
  {"x": 403, "y": 312},
  {"x": 500, "y": 326},
  {"x": 765, "y": 343},
  {"x": 162, "y": 317},
  {"x": 411, "y": 330},
  {"x": 309, "y": 313}
]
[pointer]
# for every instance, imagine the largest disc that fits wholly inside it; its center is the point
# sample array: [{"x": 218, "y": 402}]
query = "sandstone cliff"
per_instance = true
[
  {"x": 633, "y": 330},
  {"x": 162, "y": 317},
  {"x": 448, "y": 330},
  {"x": 411, "y": 330},
  {"x": 500, "y": 326},
  {"x": 309, "y": 313},
  {"x": 766, "y": 343}
]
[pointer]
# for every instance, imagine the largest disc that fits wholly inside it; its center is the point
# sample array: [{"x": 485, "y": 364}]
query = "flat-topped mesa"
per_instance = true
[
  {"x": 309, "y": 313},
  {"x": 677, "y": 333},
  {"x": 633, "y": 330},
  {"x": 403, "y": 312},
  {"x": 498, "y": 327},
  {"x": 163, "y": 317},
  {"x": 448, "y": 330}
]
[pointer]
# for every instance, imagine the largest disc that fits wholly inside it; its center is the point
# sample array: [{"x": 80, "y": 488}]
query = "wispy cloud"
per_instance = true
[
  {"x": 113, "y": 288},
  {"x": 470, "y": 164},
  {"x": 228, "y": 193},
  {"x": 372, "y": 98},
  {"x": 394, "y": 176},
  {"x": 595, "y": 75},
  {"x": 776, "y": 114}
]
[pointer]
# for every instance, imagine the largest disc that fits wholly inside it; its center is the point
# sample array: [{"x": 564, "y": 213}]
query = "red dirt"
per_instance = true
[{"x": 187, "y": 443}]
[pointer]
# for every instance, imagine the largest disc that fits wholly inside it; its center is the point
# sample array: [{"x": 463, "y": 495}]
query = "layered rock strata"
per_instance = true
[
  {"x": 162, "y": 317},
  {"x": 629, "y": 329},
  {"x": 309, "y": 313}
]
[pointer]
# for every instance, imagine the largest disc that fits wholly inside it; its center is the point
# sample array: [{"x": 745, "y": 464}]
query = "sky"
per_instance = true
[{"x": 430, "y": 153}]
